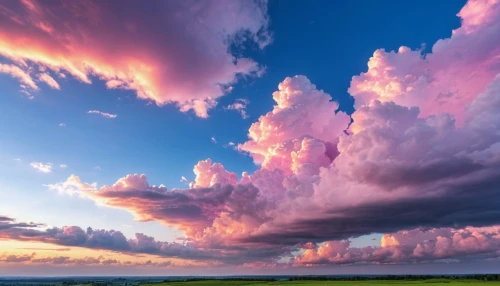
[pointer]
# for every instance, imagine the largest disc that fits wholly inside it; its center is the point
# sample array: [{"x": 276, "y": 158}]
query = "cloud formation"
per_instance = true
[
  {"x": 157, "y": 56},
  {"x": 42, "y": 167},
  {"x": 419, "y": 160},
  {"x": 413, "y": 246},
  {"x": 103, "y": 114},
  {"x": 445, "y": 80},
  {"x": 188, "y": 251},
  {"x": 240, "y": 105},
  {"x": 50, "y": 81}
]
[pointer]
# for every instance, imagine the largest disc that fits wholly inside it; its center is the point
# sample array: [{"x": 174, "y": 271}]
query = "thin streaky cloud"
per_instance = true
[{"x": 103, "y": 114}]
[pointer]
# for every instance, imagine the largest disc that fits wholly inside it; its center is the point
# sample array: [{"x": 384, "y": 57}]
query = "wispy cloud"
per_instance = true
[
  {"x": 50, "y": 81},
  {"x": 231, "y": 145},
  {"x": 62, "y": 124},
  {"x": 214, "y": 140},
  {"x": 103, "y": 114},
  {"x": 23, "y": 76},
  {"x": 183, "y": 180},
  {"x": 240, "y": 106},
  {"x": 97, "y": 168},
  {"x": 41, "y": 167},
  {"x": 63, "y": 166}
]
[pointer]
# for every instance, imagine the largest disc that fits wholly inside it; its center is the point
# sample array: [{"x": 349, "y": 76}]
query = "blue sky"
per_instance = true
[{"x": 327, "y": 41}]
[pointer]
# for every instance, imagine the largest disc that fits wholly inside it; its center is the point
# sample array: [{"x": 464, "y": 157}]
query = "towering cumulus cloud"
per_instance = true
[
  {"x": 420, "y": 162},
  {"x": 446, "y": 80},
  {"x": 167, "y": 52}
]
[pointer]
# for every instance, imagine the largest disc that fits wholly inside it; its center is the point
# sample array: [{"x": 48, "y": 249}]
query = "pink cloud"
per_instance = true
[
  {"x": 74, "y": 39},
  {"x": 410, "y": 246},
  {"x": 446, "y": 80},
  {"x": 208, "y": 174},
  {"x": 50, "y": 81},
  {"x": 300, "y": 110},
  {"x": 20, "y": 74}
]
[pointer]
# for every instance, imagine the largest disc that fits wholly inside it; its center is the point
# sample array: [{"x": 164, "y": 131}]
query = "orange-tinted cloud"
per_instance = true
[{"x": 166, "y": 52}]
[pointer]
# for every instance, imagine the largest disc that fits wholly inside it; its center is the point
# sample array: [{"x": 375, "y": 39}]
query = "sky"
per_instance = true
[{"x": 249, "y": 137}]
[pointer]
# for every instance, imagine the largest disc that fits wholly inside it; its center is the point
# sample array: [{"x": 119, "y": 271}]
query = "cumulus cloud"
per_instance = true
[
  {"x": 42, "y": 167},
  {"x": 410, "y": 246},
  {"x": 103, "y": 114},
  {"x": 72, "y": 186},
  {"x": 445, "y": 80},
  {"x": 301, "y": 110},
  {"x": 74, "y": 39},
  {"x": 208, "y": 175}
]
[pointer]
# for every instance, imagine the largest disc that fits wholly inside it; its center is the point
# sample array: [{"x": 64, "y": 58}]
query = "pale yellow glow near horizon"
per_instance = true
[{"x": 43, "y": 250}]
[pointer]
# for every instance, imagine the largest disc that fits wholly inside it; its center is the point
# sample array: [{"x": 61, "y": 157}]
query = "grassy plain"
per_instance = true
[{"x": 432, "y": 282}]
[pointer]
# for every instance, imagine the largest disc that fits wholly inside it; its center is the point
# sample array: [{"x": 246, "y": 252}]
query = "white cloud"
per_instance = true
[
  {"x": 183, "y": 180},
  {"x": 231, "y": 145},
  {"x": 63, "y": 166},
  {"x": 97, "y": 168},
  {"x": 214, "y": 140},
  {"x": 28, "y": 95},
  {"x": 62, "y": 124},
  {"x": 72, "y": 186},
  {"x": 103, "y": 114},
  {"x": 41, "y": 167},
  {"x": 17, "y": 159},
  {"x": 240, "y": 106}
]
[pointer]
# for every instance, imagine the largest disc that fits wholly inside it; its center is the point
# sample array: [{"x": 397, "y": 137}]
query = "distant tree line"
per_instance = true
[
  {"x": 485, "y": 277},
  {"x": 264, "y": 279}
]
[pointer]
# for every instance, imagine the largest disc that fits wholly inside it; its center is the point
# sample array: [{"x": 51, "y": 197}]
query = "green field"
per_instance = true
[{"x": 436, "y": 282}]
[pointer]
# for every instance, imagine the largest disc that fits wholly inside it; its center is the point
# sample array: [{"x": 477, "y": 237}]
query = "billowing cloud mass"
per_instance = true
[
  {"x": 418, "y": 160},
  {"x": 114, "y": 42},
  {"x": 445, "y": 80},
  {"x": 414, "y": 246}
]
